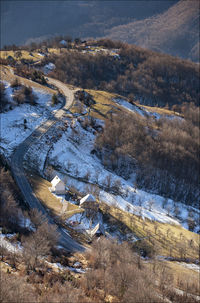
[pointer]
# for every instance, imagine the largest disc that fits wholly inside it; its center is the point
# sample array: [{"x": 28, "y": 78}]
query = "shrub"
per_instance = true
[
  {"x": 15, "y": 83},
  {"x": 3, "y": 99},
  {"x": 54, "y": 100}
]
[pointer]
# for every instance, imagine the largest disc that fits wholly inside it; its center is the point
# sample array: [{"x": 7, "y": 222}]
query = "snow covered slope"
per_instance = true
[
  {"x": 13, "y": 129},
  {"x": 71, "y": 154}
]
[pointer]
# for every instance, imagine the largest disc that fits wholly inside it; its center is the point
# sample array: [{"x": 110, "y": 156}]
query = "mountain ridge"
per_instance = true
[{"x": 175, "y": 31}]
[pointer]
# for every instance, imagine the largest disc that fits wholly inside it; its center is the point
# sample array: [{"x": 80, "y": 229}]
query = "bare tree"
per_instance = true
[
  {"x": 164, "y": 202},
  {"x": 40, "y": 242},
  {"x": 128, "y": 208},
  {"x": 155, "y": 227},
  {"x": 87, "y": 175},
  {"x": 37, "y": 218},
  {"x": 140, "y": 202},
  {"x": 97, "y": 176},
  {"x": 150, "y": 204},
  {"x": 108, "y": 181},
  {"x": 177, "y": 211},
  {"x": 168, "y": 209},
  {"x": 168, "y": 232},
  {"x": 191, "y": 223}
]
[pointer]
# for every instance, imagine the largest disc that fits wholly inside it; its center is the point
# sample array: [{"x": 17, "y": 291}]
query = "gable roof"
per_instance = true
[
  {"x": 88, "y": 198},
  {"x": 56, "y": 180},
  {"x": 63, "y": 42}
]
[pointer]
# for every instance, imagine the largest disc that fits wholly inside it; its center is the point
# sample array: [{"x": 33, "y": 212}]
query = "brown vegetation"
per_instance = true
[
  {"x": 115, "y": 274},
  {"x": 10, "y": 213},
  {"x": 165, "y": 151},
  {"x": 24, "y": 71},
  {"x": 3, "y": 98},
  {"x": 152, "y": 78}
]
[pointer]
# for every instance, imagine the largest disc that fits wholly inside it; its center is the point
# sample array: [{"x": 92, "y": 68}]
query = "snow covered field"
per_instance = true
[
  {"x": 13, "y": 130},
  {"x": 130, "y": 107},
  {"x": 13, "y": 248}
]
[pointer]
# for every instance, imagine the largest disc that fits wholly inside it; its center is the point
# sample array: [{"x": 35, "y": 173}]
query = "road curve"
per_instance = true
[{"x": 19, "y": 174}]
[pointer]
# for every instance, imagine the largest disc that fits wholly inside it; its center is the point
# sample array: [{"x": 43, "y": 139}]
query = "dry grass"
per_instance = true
[
  {"x": 165, "y": 239},
  {"x": 54, "y": 50},
  {"x": 34, "y": 56},
  {"x": 102, "y": 96},
  {"x": 6, "y": 75},
  {"x": 41, "y": 189},
  {"x": 25, "y": 55},
  {"x": 184, "y": 278},
  {"x": 159, "y": 110},
  {"x": 105, "y": 104},
  {"x": 181, "y": 278}
]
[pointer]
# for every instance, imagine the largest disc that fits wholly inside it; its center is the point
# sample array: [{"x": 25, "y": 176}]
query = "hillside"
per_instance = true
[
  {"x": 148, "y": 246},
  {"x": 74, "y": 18},
  {"x": 142, "y": 75},
  {"x": 150, "y": 78},
  {"x": 166, "y": 26},
  {"x": 175, "y": 31}
]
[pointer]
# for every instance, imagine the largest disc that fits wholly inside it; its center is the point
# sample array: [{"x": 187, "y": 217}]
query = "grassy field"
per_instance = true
[
  {"x": 164, "y": 239},
  {"x": 25, "y": 55},
  {"x": 41, "y": 189},
  {"x": 103, "y": 107},
  {"x": 159, "y": 110},
  {"x": 34, "y": 56},
  {"x": 105, "y": 103}
]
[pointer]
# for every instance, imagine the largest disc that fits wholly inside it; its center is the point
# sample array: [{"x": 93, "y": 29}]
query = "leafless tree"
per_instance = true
[
  {"x": 155, "y": 227},
  {"x": 150, "y": 204},
  {"x": 108, "y": 181},
  {"x": 37, "y": 218},
  {"x": 177, "y": 211},
  {"x": 87, "y": 175},
  {"x": 128, "y": 208},
  {"x": 40, "y": 242},
  {"x": 164, "y": 202}
]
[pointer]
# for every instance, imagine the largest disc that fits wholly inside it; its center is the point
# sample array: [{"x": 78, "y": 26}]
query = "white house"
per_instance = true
[
  {"x": 58, "y": 186},
  {"x": 63, "y": 43},
  {"x": 89, "y": 201}
]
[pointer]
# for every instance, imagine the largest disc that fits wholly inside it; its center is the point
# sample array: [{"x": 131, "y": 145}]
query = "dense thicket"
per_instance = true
[
  {"x": 21, "y": 94},
  {"x": 3, "y": 98},
  {"x": 153, "y": 78},
  {"x": 166, "y": 152},
  {"x": 114, "y": 273},
  {"x": 10, "y": 213},
  {"x": 32, "y": 74}
]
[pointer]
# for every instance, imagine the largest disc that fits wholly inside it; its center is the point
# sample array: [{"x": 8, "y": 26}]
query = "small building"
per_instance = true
[
  {"x": 89, "y": 202},
  {"x": 63, "y": 43},
  {"x": 97, "y": 231},
  {"x": 58, "y": 186},
  {"x": 49, "y": 67}
]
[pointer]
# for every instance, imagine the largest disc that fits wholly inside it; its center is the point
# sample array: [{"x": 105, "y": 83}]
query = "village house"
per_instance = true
[
  {"x": 89, "y": 202},
  {"x": 58, "y": 186}
]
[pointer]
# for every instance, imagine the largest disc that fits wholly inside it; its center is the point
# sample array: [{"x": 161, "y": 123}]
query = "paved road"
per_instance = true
[{"x": 18, "y": 172}]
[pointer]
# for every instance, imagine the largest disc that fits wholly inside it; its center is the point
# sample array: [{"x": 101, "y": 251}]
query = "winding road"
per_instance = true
[{"x": 19, "y": 174}]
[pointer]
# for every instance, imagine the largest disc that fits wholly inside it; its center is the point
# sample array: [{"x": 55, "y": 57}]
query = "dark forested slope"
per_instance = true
[
  {"x": 22, "y": 20},
  {"x": 175, "y": 31}
]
